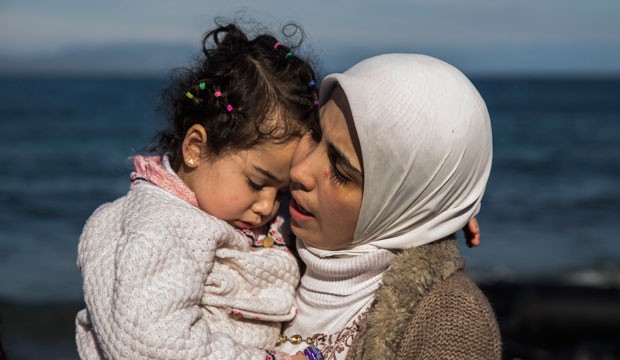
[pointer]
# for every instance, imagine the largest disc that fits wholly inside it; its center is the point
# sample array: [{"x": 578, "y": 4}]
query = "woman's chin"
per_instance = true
[{"x": 299, "y": 231}]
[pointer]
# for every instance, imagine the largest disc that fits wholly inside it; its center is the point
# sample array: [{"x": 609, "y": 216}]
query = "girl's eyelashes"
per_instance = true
[
  {"x": 260, "y": 187},
  {"x": 254, "y": 186}
]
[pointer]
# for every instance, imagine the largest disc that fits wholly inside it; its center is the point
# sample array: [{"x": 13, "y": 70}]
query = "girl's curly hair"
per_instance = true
[{"x": 243, "y": 91}]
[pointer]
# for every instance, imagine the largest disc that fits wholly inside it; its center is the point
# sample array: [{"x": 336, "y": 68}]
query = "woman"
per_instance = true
[{"x": 401, "y": 165}]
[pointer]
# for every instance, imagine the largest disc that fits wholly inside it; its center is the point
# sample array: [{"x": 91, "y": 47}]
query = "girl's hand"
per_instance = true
[{"x": 472, "y": 233}]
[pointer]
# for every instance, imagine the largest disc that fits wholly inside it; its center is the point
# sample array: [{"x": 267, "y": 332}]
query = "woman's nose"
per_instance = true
[
  {"x": 306, "y": 144},
  {"x": 302, "y": 177},
  {"x": 302, "y": 164}
]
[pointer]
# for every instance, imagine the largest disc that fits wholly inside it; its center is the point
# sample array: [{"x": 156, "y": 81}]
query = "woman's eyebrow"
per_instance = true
[{"x": 339, "y": 157}]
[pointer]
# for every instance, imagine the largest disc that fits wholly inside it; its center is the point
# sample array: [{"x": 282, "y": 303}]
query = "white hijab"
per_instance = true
[
  {"x": 425, "y": 138},
  {"x": 426, "y": 145}
]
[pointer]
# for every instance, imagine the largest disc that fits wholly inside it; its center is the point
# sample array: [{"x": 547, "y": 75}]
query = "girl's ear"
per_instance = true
[{"x": 194, "y": 146}]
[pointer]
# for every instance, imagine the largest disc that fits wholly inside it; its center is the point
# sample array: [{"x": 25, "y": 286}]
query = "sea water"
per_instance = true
[{"x": 552, "y": 205}]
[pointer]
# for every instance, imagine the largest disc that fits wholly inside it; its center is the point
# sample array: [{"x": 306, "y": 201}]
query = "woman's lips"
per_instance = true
[{"x": 298, "y": 213}]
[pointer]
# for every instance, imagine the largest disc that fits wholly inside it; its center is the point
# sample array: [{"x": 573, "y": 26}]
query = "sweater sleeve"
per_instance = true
[
  {"x": 454, "y": 321},
  {"x": 160, "y": 265}
]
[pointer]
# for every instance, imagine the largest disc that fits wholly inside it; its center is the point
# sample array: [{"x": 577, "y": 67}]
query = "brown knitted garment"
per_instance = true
[{"x": 428, "y": 309}]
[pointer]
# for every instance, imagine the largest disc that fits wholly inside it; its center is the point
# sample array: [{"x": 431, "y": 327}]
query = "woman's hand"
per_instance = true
[{"x": 472, "y": 233}]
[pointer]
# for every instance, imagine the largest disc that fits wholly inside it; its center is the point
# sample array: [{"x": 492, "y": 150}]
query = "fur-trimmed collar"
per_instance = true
[{"x": 410, "y": 276}]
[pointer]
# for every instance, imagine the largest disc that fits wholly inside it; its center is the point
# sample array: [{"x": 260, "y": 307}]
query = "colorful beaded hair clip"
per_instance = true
[
  {"x": 216, "y": 94},
  {"x": 312, "y": 83},
  {"x": 288, "y": 54}
]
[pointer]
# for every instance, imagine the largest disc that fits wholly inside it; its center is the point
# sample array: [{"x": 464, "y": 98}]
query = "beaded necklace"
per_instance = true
[{"x": 298, "y": 339}]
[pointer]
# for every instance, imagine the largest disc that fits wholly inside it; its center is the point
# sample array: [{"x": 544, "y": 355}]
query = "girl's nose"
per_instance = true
[{"x": 267, "y": 205}]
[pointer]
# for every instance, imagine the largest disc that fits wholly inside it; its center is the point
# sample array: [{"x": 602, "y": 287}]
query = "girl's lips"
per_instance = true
[
  {"x": 244, "y": 224},
  {"x": 298, "y": 213}
]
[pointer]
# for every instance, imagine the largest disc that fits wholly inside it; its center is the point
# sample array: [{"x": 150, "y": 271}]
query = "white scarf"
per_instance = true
[
  {"x": 425, "y": 137},
  {"x": 332, "y": 292}
]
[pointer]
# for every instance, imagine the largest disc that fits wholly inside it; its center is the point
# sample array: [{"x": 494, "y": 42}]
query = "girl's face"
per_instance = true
[
  {"x": 242, "y": 187},
  {"x": 327, "y": 180}
]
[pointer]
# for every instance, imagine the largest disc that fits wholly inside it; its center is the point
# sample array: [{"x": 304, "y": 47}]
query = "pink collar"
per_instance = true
[{"x": 157, "y": 171}]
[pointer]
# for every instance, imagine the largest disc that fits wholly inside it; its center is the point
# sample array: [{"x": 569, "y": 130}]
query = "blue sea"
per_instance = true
[
  {"x": 551, "y": 210},
  {"x": 552, "y": 206}
]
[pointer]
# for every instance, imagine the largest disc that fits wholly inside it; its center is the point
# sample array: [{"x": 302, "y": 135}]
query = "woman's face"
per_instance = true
[{"x": 327, "y": 180}]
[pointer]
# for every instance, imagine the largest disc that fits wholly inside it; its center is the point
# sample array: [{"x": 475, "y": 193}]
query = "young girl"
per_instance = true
[{"x": 192, "y": 262}]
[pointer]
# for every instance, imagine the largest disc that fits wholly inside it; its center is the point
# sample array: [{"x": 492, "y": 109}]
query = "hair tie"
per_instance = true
[
  {"x": 229, "y": 108},
  {"x": 189, "y": 95},
  {"x": 288, "y": 54},
  {"x": 217, "y": 94},
  {"x": 311, "y": 83},
  {"x": 202, "y": 86},
  {"x": 276, "y": 45}
]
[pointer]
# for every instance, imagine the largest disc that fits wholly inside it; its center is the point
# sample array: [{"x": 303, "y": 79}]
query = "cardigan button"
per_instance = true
[{"x": 268, "y": 242}]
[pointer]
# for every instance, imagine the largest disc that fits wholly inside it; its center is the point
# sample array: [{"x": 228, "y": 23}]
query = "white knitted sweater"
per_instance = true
[{"x": 165, "y": 280}]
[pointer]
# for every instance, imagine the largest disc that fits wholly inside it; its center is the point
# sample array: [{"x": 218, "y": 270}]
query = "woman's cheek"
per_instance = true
[
  {"x": 340, "y": 206},
  {"x": 329, "y": 200}
]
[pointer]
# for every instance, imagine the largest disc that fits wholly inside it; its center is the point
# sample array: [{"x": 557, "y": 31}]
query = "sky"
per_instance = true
[{"x": 510, "y": 36}]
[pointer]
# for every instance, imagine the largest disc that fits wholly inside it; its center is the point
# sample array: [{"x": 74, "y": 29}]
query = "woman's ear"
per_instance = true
[{"x": 194, "y": 146}]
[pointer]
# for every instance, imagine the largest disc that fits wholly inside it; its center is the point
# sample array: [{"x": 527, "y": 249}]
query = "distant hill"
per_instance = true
[
  {"x": 129, "y": 58},
  {"x": 140, "y": 59},
  {"x": 135, "y": 59}
]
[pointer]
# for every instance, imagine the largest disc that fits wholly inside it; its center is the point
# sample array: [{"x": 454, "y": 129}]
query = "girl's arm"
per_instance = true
[
  {"x": 143, "y": 294},
  {"x": 156, "y": 310}
]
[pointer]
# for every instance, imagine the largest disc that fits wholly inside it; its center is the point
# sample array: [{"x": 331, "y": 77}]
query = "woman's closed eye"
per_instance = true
[
  {"x": 343, "y": 172},
  {"x": 337, "y": 176}
]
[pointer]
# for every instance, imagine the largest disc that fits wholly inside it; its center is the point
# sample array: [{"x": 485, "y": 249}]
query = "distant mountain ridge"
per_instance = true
[
  {"x": 127, "y": 58},
  {"x": 154, "y": 58}
]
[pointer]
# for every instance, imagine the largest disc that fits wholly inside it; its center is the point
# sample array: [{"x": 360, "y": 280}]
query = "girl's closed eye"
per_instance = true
[{"x": 254, "y": 186}]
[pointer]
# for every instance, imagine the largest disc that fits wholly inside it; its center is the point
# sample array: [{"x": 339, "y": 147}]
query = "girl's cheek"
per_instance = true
[{"x": 276, "y": 208}]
